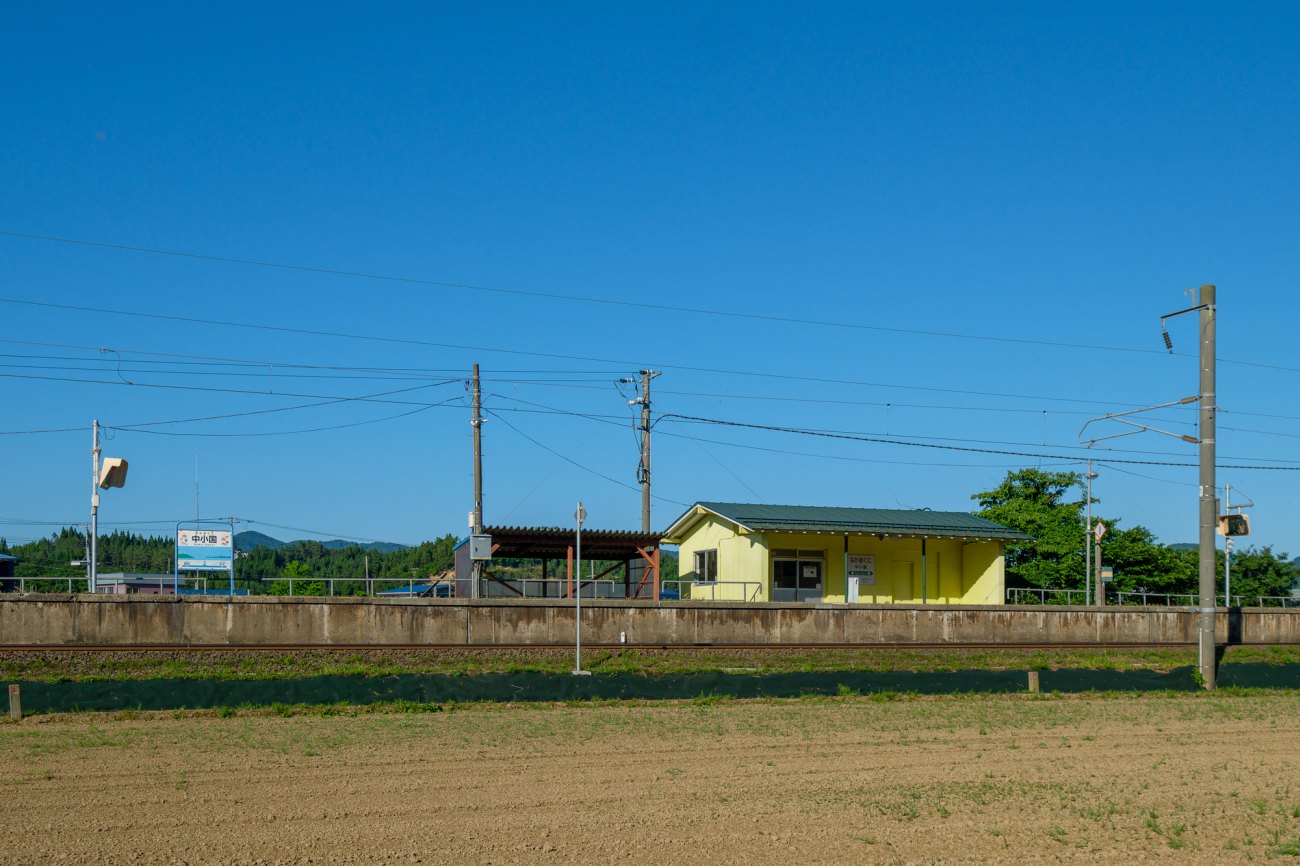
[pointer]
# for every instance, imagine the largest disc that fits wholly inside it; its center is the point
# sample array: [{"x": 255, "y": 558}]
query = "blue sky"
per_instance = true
[{"x": 1024, "y": 172}]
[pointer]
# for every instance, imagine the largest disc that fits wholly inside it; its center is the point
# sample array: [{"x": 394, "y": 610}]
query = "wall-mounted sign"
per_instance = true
[
  {"x": 863, "y": 568},
  {"x": 204, "y": 550}
]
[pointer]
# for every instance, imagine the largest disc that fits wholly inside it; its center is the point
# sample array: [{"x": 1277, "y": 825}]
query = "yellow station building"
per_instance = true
[{"x": 740, "y": 552}]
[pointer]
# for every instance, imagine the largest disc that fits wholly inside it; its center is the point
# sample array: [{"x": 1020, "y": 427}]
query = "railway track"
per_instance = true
[{"x": 100, "y": 648}]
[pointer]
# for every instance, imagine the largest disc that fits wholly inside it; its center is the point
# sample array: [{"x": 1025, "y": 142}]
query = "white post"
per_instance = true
[
  {"x": 92, "y": 582},
  {"x": 1227, "y": 572},
  {"x": 579, "y": 515},
  {"x": 1087, "y": 543}
]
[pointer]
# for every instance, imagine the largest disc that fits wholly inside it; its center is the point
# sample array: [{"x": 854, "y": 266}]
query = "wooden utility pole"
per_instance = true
[{"x": 476, "y": 566}]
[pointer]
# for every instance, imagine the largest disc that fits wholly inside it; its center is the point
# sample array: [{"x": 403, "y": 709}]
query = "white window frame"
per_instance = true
[{"x": 703, "y": 560}]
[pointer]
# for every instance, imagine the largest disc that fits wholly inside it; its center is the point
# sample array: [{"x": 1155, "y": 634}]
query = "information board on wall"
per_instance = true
[
  {"x": 863, "y": 568},
  {"x": 204, "y": 550}
]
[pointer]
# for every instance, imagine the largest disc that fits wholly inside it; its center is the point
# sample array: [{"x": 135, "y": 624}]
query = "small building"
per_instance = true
[
  {"x": 133, "y": 582},
  {"x": 7, "y": 566},
  {"x": 743, "y": 552}
]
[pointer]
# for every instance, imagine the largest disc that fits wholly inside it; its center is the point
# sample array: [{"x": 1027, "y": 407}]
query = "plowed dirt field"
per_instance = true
[{"x": 1174, "y": 779}]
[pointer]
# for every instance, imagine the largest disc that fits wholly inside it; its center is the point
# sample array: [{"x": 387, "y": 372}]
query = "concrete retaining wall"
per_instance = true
[{"x": 72, "y": 620}]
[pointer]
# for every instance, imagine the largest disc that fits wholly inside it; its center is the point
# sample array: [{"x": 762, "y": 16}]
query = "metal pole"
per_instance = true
[
  {"x": 232, "y": 558},
  {"x": 1227, "y": 550},
  {"x": 1209, "y": 509},
  {"x": 1096, "y": 578},
  {"x": 476, "y": 566},
  {"x": 643, "y": 471},
  {"x": 579, "y": 515},
  {"x": 1227, "y": 573},
  {"x": 923, "y": 576},
  {"x": 92, "y": 585},
  {"x": 1087, "y": 541}
]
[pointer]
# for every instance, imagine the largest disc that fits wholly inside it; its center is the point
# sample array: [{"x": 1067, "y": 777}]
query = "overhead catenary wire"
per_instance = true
[
  {"x": 936, "y": 445},
  {"x": 544, "y": 409},
  {"x": 551, "y": 410},
  {"x": 576, "y": 383}
]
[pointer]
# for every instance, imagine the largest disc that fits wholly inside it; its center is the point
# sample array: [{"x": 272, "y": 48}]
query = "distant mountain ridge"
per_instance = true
[{"x": 250, "y": 539}]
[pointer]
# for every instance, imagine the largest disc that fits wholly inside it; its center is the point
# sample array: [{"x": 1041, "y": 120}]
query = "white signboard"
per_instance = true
[
  {"x": 1099, "y": 530},
  {"x": 863, "y": 568},
  {"x": 204, "y": 550}
]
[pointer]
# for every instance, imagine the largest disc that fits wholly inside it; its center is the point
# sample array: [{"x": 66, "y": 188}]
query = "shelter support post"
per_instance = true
[
  {"x": 652, "y": 559},
  {"x": 923, "y": 572}
]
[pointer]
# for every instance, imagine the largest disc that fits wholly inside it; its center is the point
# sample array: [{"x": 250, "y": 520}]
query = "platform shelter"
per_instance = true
[{"x": 540, "y": 562}]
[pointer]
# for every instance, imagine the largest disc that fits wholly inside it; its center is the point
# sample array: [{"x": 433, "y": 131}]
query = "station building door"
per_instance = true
[{"x": 798, "y": 575}]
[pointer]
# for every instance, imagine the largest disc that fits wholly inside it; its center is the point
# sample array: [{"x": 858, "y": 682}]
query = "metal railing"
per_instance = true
[
  {"x": 367, "y": 585},
  {"x": 23, "y": 581},
  {"x": 562, "y": 587},
  {"x": 1035, "y": 595},
  {"x": 718, "y": 590}
]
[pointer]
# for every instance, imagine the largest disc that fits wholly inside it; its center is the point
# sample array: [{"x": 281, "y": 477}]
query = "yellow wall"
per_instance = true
[
  {"x": 740, "y": 558},
  {"x": 956, "y": 571}
]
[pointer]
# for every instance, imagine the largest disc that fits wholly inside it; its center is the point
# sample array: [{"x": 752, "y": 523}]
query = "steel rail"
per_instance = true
[{"x": 696, "y": 647}]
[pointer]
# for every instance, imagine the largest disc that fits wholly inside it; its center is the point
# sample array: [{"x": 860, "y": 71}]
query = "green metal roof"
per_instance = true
[{"x": 832, "y": 519}]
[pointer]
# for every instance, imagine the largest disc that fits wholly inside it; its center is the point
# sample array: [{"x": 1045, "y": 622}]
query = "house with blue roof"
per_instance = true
[{"x": 746, "y": 552}]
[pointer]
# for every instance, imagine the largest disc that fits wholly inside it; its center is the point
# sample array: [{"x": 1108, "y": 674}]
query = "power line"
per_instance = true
[
  {"x": 607, "y": 419},
  {"x": 218, "y": 360},
  {"x": 326, "y": 397},
  {"x": 847, "y": 458},
  {"x": 270, "y": 375},
  {"x": 576, "y": 383},
  {"x": 544, "y": 409},
  {"x": 550, "y": 355},
  {"x": 285, "y": 432},
  {"x": 568, "y": 459},
  {"x": 894, "y": 405},
  {"x": 1147, "y": 477},
  {"x": 339, "y": 535},
  {"x": 585, "y": 299},
  {"x": 368, "y": 398},
  {"x": 881, "y": 441}
]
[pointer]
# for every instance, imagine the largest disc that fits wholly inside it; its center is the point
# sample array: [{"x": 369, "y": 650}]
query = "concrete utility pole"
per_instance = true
[
  {"x": 643, "y": 471},
  {"x": 1209, "y": 504},
  {"x": 476, "y": 566},
  {"x": 92, "y": 585}
]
